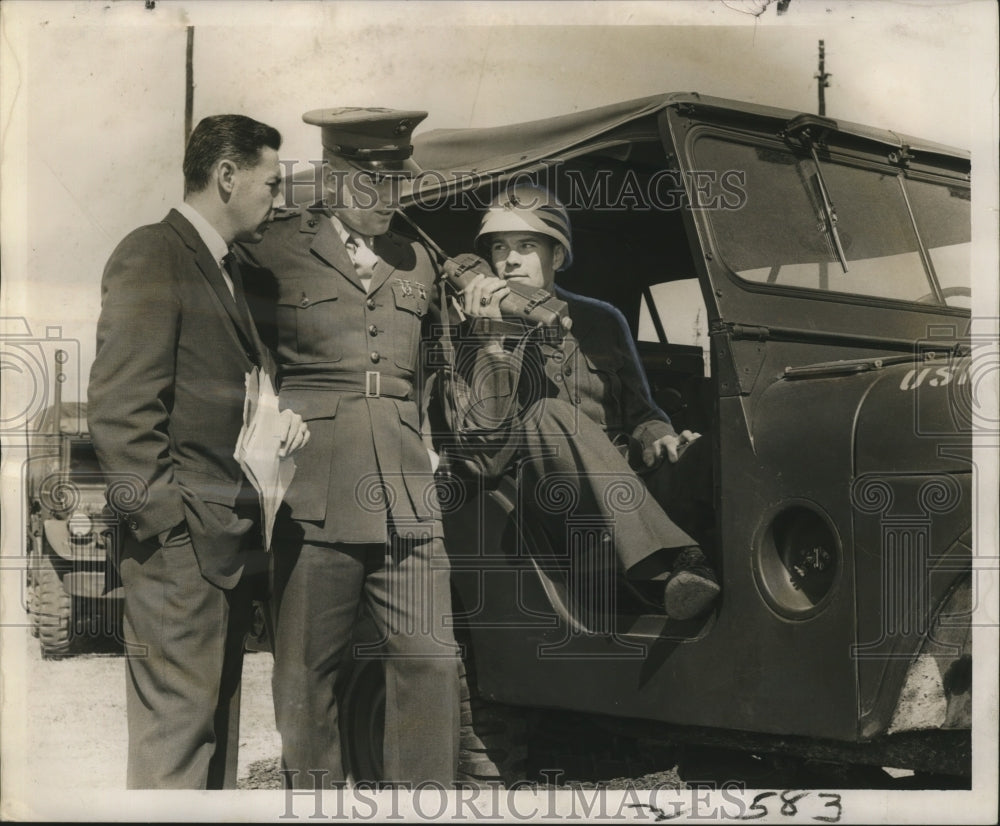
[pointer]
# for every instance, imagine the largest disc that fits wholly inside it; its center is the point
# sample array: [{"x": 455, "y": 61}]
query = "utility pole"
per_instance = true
[
  {"x": 822, "y": 78},
  {"x": 189, "y": 84}
]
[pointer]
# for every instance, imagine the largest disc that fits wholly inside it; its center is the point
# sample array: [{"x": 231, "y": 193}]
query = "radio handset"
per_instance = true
[{"x": 532, "y": 306}]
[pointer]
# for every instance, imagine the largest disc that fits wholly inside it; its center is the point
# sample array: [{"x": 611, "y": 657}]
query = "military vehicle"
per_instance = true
[
  {"x": 799, "y": 291},
  {"x": 73, "y": 590}
]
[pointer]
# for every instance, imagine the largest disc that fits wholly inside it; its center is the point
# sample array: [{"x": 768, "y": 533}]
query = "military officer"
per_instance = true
[
  {"x": 352, "y": 301},
  {"x": 580, "y": 397}
]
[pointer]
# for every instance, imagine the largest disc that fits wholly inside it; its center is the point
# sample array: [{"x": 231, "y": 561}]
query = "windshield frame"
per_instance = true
[{"x": 830, "y": 156}]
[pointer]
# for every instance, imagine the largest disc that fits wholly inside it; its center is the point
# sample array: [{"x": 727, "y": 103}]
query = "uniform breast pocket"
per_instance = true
[
  {"x": 307, "y": 321},
  {"x": 411, "y": 299},
  {"x": 604, "y": 371}
]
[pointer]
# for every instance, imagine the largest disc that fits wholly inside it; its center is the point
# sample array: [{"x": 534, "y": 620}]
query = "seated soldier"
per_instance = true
[{"x": 569, "y": 405}]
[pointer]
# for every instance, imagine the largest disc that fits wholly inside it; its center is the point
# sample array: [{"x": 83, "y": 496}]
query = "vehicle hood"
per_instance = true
[{"x": 907, "y": 418}]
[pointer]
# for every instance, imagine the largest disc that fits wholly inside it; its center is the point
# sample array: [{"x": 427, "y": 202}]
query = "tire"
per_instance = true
[
  {"x": 32, "y": 591},
  {"x": 493, "y": 741},
  {"x": 492, "y": 744},
  {"x": 52, "y": 610},
  {"x": 361, "y": 718}
]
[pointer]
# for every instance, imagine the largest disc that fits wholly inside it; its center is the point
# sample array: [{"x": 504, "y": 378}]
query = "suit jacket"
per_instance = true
[
  {"x": 166, "y": 392},
  {"x": 366, "y": 462}
]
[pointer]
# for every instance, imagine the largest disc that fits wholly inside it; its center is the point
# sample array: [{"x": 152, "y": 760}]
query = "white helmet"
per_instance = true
[{"x": 529, "y": 208}]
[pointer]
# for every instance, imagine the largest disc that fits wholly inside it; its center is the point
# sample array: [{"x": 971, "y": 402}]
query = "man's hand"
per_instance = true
[
  {"x": 296, "y": 433},
  {"x": 673, "y": 445},
  {"x": 482, "y": 296}
]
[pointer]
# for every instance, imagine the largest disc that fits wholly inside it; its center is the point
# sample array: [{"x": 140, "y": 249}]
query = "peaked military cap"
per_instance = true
[{"x": 373, "y": 139}]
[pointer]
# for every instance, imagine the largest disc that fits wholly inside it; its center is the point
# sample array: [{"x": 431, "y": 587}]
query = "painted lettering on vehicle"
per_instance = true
[{"x": 938, "y": 376}]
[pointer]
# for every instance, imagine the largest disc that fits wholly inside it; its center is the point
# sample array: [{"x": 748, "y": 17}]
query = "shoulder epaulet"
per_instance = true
[{"x": 284, "y": 213}]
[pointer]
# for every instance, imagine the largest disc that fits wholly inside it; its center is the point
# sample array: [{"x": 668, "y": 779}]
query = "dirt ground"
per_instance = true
[
  {"x": 75, "y": 714},
  {"x": 76, "y": 733}
]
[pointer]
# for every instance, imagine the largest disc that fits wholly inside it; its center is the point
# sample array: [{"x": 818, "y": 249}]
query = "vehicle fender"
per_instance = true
[
  {"x": 916, "y": 418},
  {"x": 57, "y": 538}
]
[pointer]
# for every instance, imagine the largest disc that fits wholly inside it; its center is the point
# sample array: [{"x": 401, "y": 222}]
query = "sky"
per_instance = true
[{"x": 93, "y": 92}]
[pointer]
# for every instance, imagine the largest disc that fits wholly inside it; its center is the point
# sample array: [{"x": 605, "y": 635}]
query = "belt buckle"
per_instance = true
[{"x": 373, "y": 384}]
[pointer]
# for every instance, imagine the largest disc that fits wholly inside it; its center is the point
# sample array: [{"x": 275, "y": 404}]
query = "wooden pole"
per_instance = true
[{"x": 189, "y": 84}]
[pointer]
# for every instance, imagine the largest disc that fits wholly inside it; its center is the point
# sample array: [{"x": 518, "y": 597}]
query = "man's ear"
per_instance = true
[
  {"x": 558, "y": 256},
  {"x": 226, "y": 173},
  {"x": 336, "y": 192}
]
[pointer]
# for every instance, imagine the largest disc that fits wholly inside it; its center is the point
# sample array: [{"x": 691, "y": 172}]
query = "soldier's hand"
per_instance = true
[
  {"x": 296, "y": 432},
  {"x": 483, "y": 295},
  {"x": 673, "y": 445}
]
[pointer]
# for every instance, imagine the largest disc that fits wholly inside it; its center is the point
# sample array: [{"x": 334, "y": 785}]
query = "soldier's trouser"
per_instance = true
[
  {"x": 317, "y": 592},
  {"x": 572, "y": 476},
  {"x": 184, "y": 642}
]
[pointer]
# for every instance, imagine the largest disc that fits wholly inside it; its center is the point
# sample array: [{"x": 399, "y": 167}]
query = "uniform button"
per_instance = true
[
  {"x": 577, "y": 400},
  {"x": 311, "y": 222},
  {"x": 568, "y": 370},
  {"x": 557, "y": 357},
  {"x": 371, "y": 303},
  {"x": 304, "y": 302},
  {"x": 373, "y": 330},
  {"x": 375, "y": 357},
  {"x": 559, "y": 376}
]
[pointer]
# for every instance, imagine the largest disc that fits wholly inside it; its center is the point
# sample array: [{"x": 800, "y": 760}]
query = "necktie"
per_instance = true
[
  {"x": 228, "y": 263},
  {"x": 362, "y": 256},
  {"x": 232, "y": 267}
]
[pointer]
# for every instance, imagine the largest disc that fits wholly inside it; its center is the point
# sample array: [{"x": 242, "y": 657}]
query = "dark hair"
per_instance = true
[{"x": 233, "y": 137}]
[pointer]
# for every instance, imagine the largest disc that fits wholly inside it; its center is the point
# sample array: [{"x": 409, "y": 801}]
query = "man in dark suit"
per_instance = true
[
  {"x": 174, "y": 343},
  {"x": 350, "y": 302}
]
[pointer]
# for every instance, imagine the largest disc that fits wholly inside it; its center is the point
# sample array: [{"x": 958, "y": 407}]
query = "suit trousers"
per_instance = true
[
  {"x": 184, "y": 640},
  {"x": 318, "y": 590}
]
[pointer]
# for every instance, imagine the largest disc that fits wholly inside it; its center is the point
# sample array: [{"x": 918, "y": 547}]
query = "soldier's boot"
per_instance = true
[{"x": 692, "y": 587}]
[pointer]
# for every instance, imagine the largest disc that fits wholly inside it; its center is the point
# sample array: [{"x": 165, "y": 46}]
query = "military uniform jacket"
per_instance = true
[
  {"x": 349, "y": 363},
  {"x": 595, "y": 368}
]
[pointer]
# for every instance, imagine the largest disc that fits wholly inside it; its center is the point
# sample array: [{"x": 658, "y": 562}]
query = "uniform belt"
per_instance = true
[{"x": 371, "y": 383}]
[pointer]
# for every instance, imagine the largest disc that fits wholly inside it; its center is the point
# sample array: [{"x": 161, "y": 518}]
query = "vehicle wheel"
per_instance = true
[
  {"x": 362, "y": 721},
  {"x": 493, "y": 742},
  {"x": 52, "y": 610},
  {"x": 31, "y": 591}
]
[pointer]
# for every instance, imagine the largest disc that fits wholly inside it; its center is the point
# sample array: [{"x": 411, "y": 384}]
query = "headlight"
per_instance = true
[{"x": 80, "y": 525}]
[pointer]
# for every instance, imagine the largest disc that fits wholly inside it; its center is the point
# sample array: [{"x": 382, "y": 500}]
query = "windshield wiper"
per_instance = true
[
  {"x": 829, "y": 211},
  {"x": 800, "y": 128}
]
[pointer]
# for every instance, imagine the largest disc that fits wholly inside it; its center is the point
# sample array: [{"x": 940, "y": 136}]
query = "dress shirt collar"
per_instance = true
[
  {"x": 345, "y": 233},
  {"x": 209, "y": 234}
]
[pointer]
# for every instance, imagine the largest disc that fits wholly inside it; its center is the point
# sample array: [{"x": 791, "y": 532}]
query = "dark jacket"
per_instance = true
[{"x": 166, "y": 392}]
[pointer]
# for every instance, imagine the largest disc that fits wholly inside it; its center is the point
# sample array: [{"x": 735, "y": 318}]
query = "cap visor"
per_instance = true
[{"x": 391, "y": 169}]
